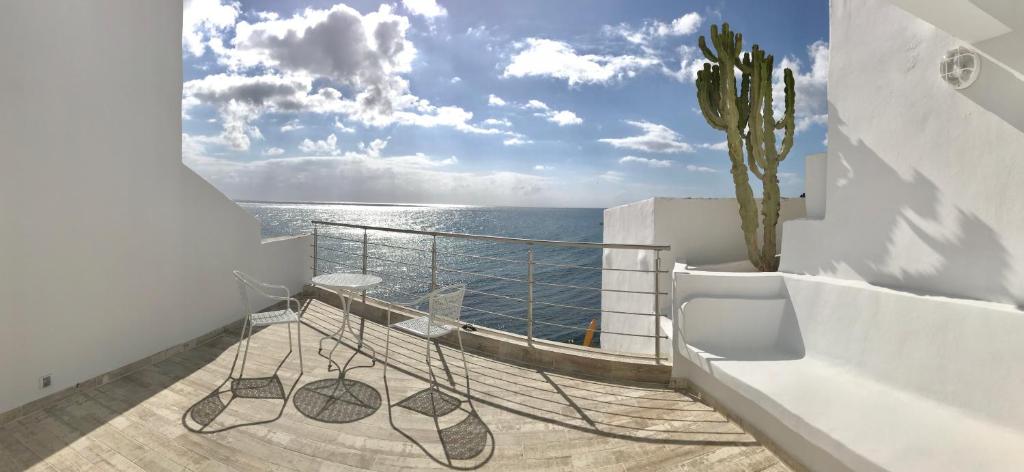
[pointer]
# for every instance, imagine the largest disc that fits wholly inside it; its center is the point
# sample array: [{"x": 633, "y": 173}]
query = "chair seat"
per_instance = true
[
  {"x": 268, "y": 318},
  {"x": 418, "y": 327}
]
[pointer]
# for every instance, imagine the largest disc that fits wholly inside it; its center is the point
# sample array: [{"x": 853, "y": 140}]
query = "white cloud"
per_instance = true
[
  {"x": 495, "y": 101},
  {"x": 411, "y": 178},
  {"x": 292, "y": 126},
  {"x": 696, "y": 168},
  {"x": 367, "y": 53},
  {"x": 240, "y": 100},
  {"x": 516, "y": 141},
  {"x": 684, "y": 25},
  {"x": 563, "y": 118},
  {"x": 559, "y": 117},
  {"x": 549, "y": 58},
  {"x": 721, "y": 146},
  {"x": 274, "y": 151},
  {"x": 642, "y": 35},
  {"x": 497, "y": 122},
  {"x": 203, "y": 20},
  {"x": 426, "y": 8},
  {"x": 656, "y": 138},
  {"x": 341, "y": 126},
  {"x": 536, "y": 105},
  {"x": 811, "y": 87},
  {"x": 328, "y": 146},
  {"x": 645, "y": 161},
  {"x": 542, "y": 168},
  {"x": 690, "y": 62},
  {"x": 455, "y": 80},
  {"x": 612, "y": 176},
  {"x": 373, "y": 148}
]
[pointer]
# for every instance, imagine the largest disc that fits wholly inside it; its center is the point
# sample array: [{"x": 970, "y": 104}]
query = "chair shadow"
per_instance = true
[
  {"x": 206, "y": 411},
  {"x": 462, "y": 441}
]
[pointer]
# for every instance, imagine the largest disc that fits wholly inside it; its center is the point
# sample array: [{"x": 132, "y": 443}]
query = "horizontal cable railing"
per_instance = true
[{"x": 507, "y": 287}]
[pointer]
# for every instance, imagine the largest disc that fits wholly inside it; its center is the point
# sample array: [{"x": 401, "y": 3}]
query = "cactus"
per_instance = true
[{"x": 748, "y": 119}]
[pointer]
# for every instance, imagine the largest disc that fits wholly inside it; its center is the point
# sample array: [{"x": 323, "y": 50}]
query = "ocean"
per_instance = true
[{"x": 493, "y": 272}]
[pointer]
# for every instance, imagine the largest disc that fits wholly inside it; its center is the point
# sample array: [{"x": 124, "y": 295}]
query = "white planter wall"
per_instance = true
[
  {"x": 110, "y": 248},
  {"x": 701, "y": 231}
]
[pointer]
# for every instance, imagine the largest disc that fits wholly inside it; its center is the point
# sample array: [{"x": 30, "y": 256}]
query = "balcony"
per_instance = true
[{"x": 168, "y": 416}]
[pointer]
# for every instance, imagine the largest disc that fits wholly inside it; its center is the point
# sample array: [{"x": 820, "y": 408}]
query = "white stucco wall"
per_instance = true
[
  {"x": 816, "y": 185},
  {"x": 924, "y": 189},
  {"x": 110, "y": 248},
  {"x": 701, "y": 231}
]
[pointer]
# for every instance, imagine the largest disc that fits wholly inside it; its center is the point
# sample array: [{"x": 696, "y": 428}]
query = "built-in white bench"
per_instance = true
[{"x": 847, "y": 376}]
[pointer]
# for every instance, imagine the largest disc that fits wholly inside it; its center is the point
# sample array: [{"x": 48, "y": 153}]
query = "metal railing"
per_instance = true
[{"x": 348, "y": 247}]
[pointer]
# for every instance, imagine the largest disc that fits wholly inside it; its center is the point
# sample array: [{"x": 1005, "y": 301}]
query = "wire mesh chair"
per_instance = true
[
  {"x": 266, "y": 318},
  {"x": 444, "y": 307}
]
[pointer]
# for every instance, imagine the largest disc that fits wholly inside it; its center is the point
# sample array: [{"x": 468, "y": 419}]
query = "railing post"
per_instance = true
[
  {"x": 529, "y": 295},
  {"x": 365, "y": 245},
  {"x": 316, "y": 256},
  {"x": 365, "y": 252},
  {"x": 657, "y": 307},
  {"x": 433, "y": 263}
]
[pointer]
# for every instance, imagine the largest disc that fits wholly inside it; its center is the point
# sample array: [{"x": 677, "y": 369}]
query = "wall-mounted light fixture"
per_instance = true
[{"x": 960, "y": 67}]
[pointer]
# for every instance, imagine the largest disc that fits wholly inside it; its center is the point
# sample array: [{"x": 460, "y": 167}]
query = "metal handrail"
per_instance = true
[
  {"x": 530, "y": 263},
  {"x": 481, "y": 237},
  {"x": 501, "y": 259}
]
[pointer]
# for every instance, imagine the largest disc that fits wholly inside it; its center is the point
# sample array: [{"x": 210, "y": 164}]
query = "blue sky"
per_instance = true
[{"x": 534, "y": 103}]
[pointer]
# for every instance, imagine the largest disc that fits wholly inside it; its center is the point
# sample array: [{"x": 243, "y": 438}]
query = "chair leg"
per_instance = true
[
  {"x": 465, "y": 366},
  {"x": 387, "y": 338},
  {"x": 430, "y": 367},
  {"x": 298, "y": 329},
  {"x": 238, "y": 349},
  {"x": 245, "y": 355}
]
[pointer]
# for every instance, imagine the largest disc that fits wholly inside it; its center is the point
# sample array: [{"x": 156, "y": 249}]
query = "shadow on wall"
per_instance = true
[
  {"x": 910, "y": 236},
  {"x": 999, "y": 91},
  {"x": 1000, "y": 88}
]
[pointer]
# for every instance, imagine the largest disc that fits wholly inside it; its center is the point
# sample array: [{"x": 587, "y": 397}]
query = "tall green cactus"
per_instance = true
[{"x": 748, "y": 119}]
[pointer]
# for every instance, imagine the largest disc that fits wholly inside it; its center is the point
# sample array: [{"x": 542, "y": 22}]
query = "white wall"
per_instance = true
[
  {"x": 816, "y": 185},
  {"x": 701, "y": 231},
  {"x": 925, "y": 190},
  {"x": 110, "y": 248}
]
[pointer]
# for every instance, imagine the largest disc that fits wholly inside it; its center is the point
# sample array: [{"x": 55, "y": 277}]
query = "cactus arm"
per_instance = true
[
  {"x": 788, "y": 122},
  {"x": 751, "y": 162},
  {"x": 758, "y": 86},
  {"x": 704, "y": 49},
  {"x": 743, "y": 104},
  {"x": 707, "y": 95}
]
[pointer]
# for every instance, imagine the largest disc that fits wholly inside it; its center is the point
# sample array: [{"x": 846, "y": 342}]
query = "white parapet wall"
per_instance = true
[
  {"x": 701, "y": 231},
  {"x": 110, "y": 248}
]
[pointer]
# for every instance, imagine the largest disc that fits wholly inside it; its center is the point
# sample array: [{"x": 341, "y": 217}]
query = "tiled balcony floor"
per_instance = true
[{"x": 525, "y": 419}]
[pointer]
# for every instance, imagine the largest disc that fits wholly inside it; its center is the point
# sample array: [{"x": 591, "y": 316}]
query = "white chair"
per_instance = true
[
  {"x": 444, "y": 307},
  {"x": 267, "y": 318}
]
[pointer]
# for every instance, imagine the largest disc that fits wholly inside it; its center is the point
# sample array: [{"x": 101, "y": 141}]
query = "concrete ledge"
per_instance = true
[{"x": 557, "y": 357}]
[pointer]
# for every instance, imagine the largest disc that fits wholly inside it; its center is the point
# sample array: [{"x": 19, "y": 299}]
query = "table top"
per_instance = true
[{"x": 350, "y": 281}]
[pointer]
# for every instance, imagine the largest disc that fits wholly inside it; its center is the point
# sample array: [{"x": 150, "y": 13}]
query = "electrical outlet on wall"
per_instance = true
[{"x": 45, "y": 381}]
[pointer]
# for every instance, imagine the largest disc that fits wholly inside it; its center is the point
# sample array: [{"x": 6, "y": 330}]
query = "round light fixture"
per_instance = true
[{"x": 960, "y": 67}]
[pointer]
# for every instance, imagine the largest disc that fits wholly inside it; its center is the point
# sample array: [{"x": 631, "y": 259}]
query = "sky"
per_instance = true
[{"x": 581, "y": 103}]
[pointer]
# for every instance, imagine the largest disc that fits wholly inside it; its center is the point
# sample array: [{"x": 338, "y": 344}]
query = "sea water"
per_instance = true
[{"x": 494, "y": 273}]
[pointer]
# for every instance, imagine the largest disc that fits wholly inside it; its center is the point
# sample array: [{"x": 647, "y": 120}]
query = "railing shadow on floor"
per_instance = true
[{"x": 632, "y": 412}]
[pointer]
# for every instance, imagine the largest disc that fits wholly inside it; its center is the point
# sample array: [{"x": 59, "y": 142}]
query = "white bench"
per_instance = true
[{"x": 846, "y": 376}]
